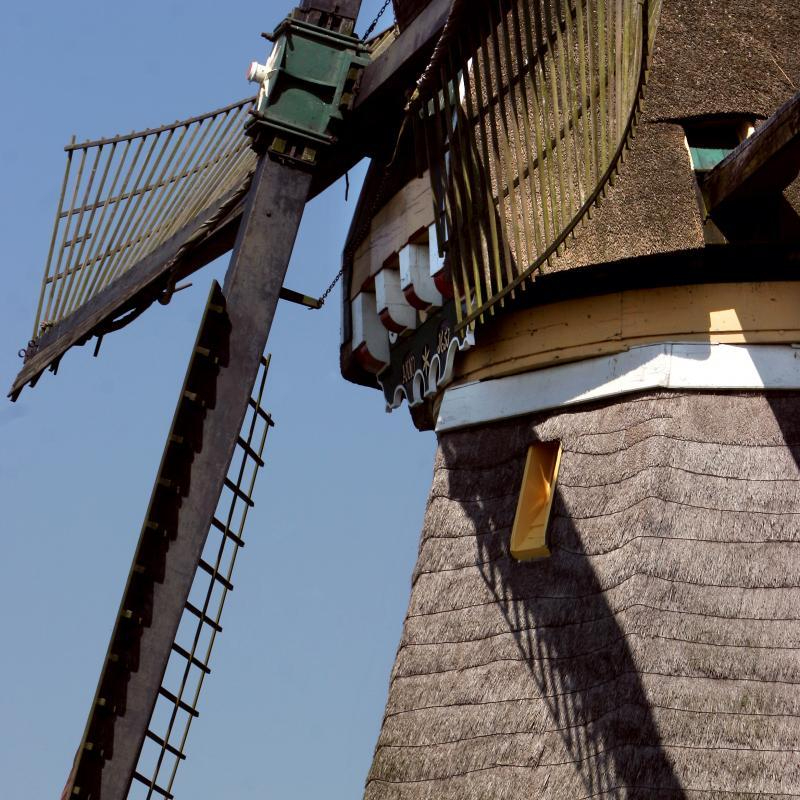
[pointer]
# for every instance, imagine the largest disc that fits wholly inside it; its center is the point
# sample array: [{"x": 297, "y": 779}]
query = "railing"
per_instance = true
[
  {"x": 523, "y": 117},
  {"x": 124, "y": 196}
]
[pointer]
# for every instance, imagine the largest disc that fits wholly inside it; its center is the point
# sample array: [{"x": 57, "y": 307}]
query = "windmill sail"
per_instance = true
[
  {"x": 136, "y": 213},
  {"x": 169, "y": 617}
]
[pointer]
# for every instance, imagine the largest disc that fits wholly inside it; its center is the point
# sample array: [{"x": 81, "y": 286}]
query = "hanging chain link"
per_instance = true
[
  {"x": 336, "y": 280},
  {"x": 374, "y": 23}
]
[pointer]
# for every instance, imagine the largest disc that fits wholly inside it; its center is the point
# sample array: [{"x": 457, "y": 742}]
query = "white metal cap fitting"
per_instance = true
[{"x": 257, "y": 73}]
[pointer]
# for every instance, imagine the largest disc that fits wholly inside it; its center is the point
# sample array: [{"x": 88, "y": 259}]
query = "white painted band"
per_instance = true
[{"x": 667, "y": 365}]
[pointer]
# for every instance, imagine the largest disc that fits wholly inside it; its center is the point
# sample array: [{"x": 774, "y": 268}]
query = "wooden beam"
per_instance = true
[
  {"x": 767, "y": 312},
  {"x": 342, "y": 8},
  {"x": 336, "y": 14},
  {"x": 765, "y": 163},
  {"x": 419, "y": 37},
  {"x": 379, "y": 104}
]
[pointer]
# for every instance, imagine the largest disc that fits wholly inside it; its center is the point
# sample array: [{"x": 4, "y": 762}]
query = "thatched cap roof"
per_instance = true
[{"x": 709, "y": 59}]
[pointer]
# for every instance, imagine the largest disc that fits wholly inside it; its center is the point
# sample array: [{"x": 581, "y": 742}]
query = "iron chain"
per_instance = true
[
  {"x": 336, "y": 280},
  {"x": 374, "y": 23}
]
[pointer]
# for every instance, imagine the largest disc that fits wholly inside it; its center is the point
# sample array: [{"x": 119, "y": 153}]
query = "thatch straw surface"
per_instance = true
[
  {"x": 656, "y": 653},
  {"x": 710, "y": 58}
]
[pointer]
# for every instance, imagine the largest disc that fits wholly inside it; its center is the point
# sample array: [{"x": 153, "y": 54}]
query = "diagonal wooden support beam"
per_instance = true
[
  {"x": 765, "y": 163},
  {"x": 381, "y": 97}
]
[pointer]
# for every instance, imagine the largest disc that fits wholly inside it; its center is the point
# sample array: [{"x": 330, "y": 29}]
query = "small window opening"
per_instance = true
[
  {"x": 529, "y": 534},
  {"x": 710, "y": 140}
]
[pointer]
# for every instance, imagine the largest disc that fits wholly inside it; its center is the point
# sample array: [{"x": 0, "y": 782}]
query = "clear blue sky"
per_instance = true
[{"x": 300, "y": 674}]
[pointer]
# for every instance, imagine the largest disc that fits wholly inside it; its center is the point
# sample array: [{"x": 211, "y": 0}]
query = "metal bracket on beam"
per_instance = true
[{"x": 300, "y": 299}]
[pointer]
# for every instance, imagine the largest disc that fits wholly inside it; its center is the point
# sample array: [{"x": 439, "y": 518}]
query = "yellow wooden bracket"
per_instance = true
[{"x": 529, "y": 534}]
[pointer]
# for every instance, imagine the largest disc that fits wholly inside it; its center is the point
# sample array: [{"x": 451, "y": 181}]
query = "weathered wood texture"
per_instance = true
[
  {"x": 656, "y": 653},
  {"x": 765, "y": 163},
  {"x": 406, "y": 10},
  {"x": 381, "y": 99},
  {"x": 342, "y": 8},
  {"x": 395, "y": 66}
]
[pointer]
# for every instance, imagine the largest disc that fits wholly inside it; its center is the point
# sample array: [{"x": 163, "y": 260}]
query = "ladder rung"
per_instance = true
[
  {"x": 192, "y": 659},
  {"x": 205, "y": 352},
  {"x": 239, "y": 492},
  {"x": 265, "y": 415},
  {"x": 250, "y": 452},
  {"x": 167, "y": 483},
  {"x": 194, "y": 397},
  {"x": 157, "y": 789},
  {"x": 204, "y": 618},
  {"x": 166, "y": 745},
  {"x": 180, "y": 703},
  {"x": 220, "y": 526},
  {"x": 206, "y": 567}
]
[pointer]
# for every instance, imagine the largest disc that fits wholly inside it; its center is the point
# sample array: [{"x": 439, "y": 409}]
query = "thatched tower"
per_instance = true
[{"x": 652, "y": 648}]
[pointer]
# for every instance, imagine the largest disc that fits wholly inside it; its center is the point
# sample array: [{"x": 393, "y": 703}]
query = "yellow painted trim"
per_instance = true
[
  {"x": 529, "y": 534},
  {"x": 728, "y": 313}
]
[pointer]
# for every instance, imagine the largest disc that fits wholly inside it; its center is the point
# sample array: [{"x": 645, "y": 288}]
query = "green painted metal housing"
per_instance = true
[{"x": 313, "y": 73}]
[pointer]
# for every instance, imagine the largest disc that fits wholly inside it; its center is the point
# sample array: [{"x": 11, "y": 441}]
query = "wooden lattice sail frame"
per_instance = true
[
  {"x": 523, "y": 118},
  {"x": 123, "y": 198}
]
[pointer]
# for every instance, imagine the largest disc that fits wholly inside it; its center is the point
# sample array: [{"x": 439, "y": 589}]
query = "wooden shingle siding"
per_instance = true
[{"x": 656, "y": 653}]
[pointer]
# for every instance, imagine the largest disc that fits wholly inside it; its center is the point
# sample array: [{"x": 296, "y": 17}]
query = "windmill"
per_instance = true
[
  {"x": 501, "y": 131},
  {"x": 138, "y": 213}
]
